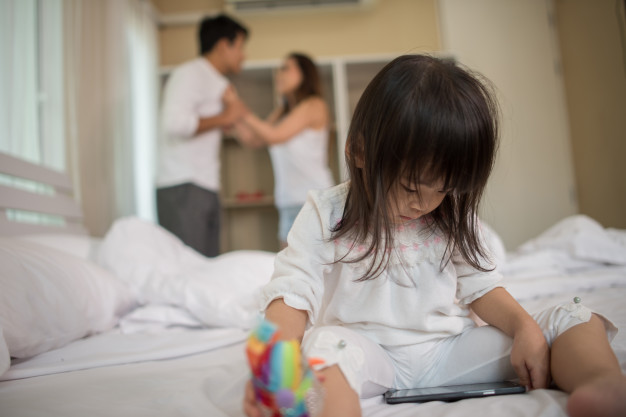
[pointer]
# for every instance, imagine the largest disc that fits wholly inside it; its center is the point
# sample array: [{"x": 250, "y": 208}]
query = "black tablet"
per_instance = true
[{"x": 452, "y": 392}]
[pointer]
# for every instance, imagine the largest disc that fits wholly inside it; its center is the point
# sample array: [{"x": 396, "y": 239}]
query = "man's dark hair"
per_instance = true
[{"x": 212, "y": 29}]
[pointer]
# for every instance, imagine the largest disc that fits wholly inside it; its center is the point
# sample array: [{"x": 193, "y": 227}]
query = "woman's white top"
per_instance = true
[
  {"x": 300, "y": 165},
  {"x": 412, "y": 301},
  {"x": 194, "y": 90}
]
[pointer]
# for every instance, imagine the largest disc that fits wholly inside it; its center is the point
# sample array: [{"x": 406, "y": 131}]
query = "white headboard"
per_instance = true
[{"x": 59, "y": 203}]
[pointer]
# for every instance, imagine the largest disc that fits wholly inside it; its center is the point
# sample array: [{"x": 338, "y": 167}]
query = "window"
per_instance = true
[
  {"x": 31, "y": 93},
  {"x": 31, "y": 81}
]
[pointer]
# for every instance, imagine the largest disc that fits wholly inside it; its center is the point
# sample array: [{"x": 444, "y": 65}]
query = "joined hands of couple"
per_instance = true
[
  {"x": 234, "y": 108},
  {"x": 235, "y": 112}
]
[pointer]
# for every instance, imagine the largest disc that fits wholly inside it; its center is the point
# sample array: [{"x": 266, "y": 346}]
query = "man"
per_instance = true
[{"x": 198, "y": 103}]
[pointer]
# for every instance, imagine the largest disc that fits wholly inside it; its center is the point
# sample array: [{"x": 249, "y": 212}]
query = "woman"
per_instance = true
[{"x": 297, "y": 135}]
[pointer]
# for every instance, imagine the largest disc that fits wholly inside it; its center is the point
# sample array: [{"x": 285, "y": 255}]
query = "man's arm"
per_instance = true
[{"x": 180, "y": 117}]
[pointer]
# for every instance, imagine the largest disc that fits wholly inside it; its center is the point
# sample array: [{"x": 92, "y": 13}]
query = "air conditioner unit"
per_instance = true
[{"x": 287, "y": 5}]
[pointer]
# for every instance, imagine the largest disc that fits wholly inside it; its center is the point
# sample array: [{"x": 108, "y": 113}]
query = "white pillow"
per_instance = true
[{"x": 50, "y": 298}]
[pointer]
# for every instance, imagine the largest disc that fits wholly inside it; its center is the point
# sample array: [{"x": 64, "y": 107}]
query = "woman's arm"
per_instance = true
[
  {"x": 232, "y": 112},
  {"x": 310, "y": 113},
  {"x": 273, "y": 117},
  {"x": 246, "y": 136},
  {"x": 530, "y": 355}
]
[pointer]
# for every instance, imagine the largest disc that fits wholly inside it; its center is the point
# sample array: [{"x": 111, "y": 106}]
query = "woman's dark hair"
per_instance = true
[
  {"x": 212, "y": 29},
  {"x": 311, "y": 83},
  {"x": 420, "y": 118}
]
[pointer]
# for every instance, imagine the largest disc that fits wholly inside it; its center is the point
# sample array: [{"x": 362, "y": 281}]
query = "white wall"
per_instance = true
[
  {"x": 592, "y": 48},
  {"x": 381, "y": 27},
  {"x": 513, "y": 43}
]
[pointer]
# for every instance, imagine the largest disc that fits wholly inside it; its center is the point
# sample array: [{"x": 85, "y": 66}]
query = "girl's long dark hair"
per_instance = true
[
  {"x": 311, "y": 83},
  {"x": 419, "y": 118}
]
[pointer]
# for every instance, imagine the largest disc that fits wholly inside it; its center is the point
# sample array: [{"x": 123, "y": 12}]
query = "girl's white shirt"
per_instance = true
[
  {"x": 300, "y": 164},
  {"x": 412, "y": 301}
]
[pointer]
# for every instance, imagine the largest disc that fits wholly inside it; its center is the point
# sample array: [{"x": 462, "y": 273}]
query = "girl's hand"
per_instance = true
[
  {"x": 530, "y": 357},
  {"x": 250, "y": 406}
]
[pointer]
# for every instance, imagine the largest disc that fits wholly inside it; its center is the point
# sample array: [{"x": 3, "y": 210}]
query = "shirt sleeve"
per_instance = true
[
  {"x": 300, "y": 268},
  {"x": 180, "y": 116},
  {"x": 473, "y": 283}
]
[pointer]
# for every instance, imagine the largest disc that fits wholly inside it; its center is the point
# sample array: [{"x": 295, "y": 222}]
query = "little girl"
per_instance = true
[{"x": 380, "y": 273}]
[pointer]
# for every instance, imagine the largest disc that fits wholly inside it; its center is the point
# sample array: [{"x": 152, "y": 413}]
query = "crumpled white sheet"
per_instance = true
[
  {"x": 155, "y": 318},
  {"x": 576, "y": 254},
  {"x": 220, "y": 292},
  {"x": 583, "y": 238},
  {"x": 575, "y": 244}
]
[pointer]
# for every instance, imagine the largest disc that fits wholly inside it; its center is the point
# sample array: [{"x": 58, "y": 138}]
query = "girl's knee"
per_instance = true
[
  {"x": 328, "y": 346},
  {"x": 332, "y": 348}
]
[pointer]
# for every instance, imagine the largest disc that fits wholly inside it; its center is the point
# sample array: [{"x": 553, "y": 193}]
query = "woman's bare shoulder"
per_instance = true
[
  {"x": 317, "y": 110},
  {"x": 314, "y": 102}
]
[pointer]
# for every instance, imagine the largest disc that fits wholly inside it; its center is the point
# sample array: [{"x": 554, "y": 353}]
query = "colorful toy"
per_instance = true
[{"x": 282, "y": 380}]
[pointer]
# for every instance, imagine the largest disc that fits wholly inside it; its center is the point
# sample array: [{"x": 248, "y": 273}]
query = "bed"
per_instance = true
[{"x": 137, "y": 324}]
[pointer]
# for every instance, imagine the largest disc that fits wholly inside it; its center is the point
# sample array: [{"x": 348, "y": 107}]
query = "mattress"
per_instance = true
[{"x": 164, "y": 357}]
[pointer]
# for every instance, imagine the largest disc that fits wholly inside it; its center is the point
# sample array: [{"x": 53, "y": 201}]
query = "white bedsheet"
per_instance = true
[
  {"x": 116, "y": 348},
  {"x": 204, "y": 385},
  {"x": 210, "y": 383},
  {"x": 529, "y": 288}
]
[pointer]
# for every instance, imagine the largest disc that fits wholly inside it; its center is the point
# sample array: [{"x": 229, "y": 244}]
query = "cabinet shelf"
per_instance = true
[{"x": 236, "y": 203}]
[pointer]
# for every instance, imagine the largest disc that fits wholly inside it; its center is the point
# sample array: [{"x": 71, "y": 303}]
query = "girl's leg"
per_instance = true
[
  {"x": 339, "y": 398},
  {"x": 582, "y": 360},
  {"x": 350, "y": 367},
  {"x": 583, "y": 363},
  {"x": 477, "y": 355}
]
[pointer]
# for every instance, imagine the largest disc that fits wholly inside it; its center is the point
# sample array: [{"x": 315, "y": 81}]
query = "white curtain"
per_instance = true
[
  {"x": 143, "y": 34},
  {"x": 112, "y": 96}
]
